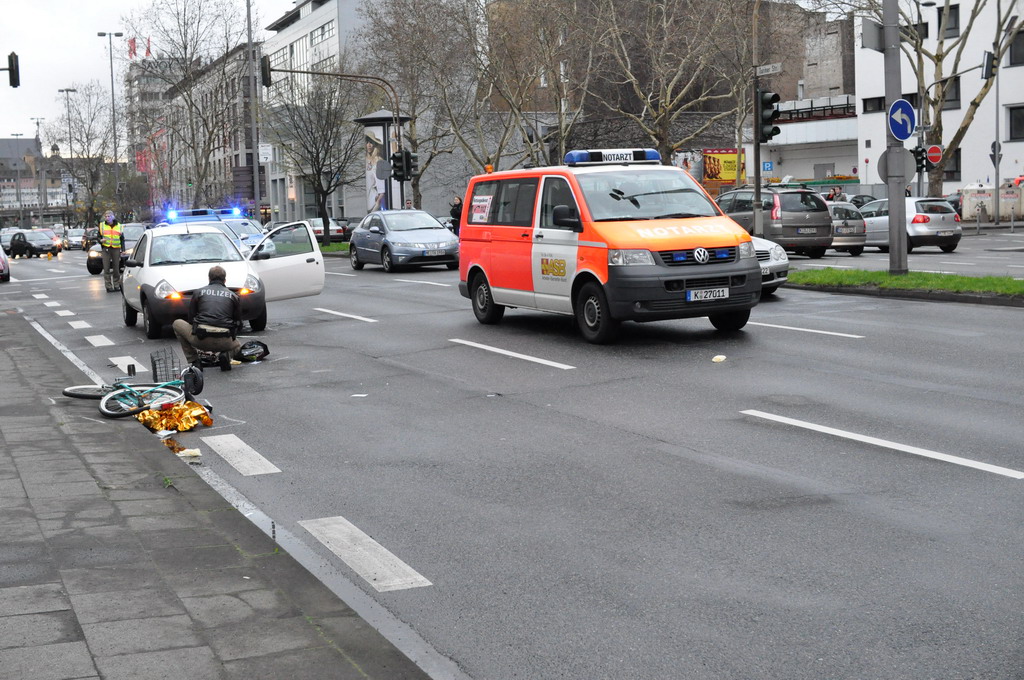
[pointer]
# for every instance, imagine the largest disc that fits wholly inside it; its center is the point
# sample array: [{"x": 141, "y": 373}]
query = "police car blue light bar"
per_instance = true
[
  {"x": 172, "y": 214},
  {"x": 236, "y": 211},
  {"x": 599, "y": 156}
]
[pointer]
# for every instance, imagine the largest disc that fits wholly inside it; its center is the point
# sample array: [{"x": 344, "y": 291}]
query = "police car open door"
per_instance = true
[
  {"x": 554, "y": 248},
  {"x": 289, "y": 262}
]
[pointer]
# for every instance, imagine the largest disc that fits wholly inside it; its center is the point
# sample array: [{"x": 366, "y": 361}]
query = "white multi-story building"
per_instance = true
[
  {"x": 309, "y": 37},
  {"x": 970, "y": 163}
]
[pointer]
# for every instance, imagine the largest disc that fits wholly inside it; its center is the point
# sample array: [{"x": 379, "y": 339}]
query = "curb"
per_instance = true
[{"x": 926, "y": 295}]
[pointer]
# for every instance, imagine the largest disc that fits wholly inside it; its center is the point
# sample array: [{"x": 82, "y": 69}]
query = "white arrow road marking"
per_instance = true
[
  {"x": 65, "y": 312},
  {"x": 966, "y": 462},
  {"x": 368, "y": 558},
  {"x": 804, "y": 330},
  {"x": 347, "y": 316},
  {"x": 122, "y": 364},
  {"x": 515, "y": 355},
  {"x": 79, "y": 324},
  {"x": 240, "y": 455},
  {"x": 99, "y": 340}
]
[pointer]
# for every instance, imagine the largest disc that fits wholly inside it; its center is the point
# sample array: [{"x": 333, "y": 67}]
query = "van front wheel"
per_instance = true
[
  {"x": 593, "y": 316},
  {"x": 730, "y": 321},
  {"x": 484, "y": 307}
]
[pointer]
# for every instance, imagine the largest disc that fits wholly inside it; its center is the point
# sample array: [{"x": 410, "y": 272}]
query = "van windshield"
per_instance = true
[{"x": 643, "y": 194}]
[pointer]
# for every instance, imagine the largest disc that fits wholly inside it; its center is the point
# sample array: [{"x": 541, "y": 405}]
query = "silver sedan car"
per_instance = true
[
  {"x": 402, "y": 238},
  {"x": 848, "y": 232},
  {"x": 774, "y": 265},
  {"x": 930, "y": 222}
]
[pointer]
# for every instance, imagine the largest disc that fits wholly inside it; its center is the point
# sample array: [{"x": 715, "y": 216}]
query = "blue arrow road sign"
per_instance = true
[{"x": 902, "y": 119}]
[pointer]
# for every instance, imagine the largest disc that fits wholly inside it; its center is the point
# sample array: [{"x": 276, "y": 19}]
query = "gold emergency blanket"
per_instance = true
[{"x": 181, "y": 417}]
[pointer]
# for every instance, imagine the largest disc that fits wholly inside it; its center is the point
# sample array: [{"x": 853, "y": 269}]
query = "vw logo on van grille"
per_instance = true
[{"x": 701, "y": 255}]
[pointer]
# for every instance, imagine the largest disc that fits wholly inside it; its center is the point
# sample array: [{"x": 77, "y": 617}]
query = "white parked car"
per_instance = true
[
  {"x": 170, "y": 262},
  {"x": 774, "y": 264}
]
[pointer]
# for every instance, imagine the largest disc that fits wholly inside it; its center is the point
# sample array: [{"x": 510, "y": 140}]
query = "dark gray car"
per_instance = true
[{"x": 795, "y": 218}]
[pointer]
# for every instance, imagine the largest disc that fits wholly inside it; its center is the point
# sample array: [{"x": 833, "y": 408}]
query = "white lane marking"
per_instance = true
[
  {"x": 347, "y": 316},
  {"x": 966, "y": 462},
  {"x": 57, "y": 271},
  {"x": 989, "y": 257},
  {"x": 122, "y": 364},
  {"x": 340, "y": 274},
  {"x": 515, "y": 355},
  {"x": 1016, "y": 266},
  {"x": 99, "y": 340},
  {"x": 966, "y": 264},
  {"x": 54, "y": 278},
  {"x": 51, "y": 303},
  {"x": 368, "y": 558},
  {"x": 64, "y": 312},
  {"x": 240, "y": 455},
  {"x": 428, "y": 283},
  {"x": 79, "y": 324},
  {"x": 89, "y": 373},
  {"x": 933, "y": 271},
  {"x": 804, "y": 330},
  {"x": 40, "y": 296},
  {"x": 832, "y": 266}
]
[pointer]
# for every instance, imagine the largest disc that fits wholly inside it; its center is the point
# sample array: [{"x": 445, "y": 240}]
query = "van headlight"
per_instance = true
[
  {"x": 619, "y": 258},
  {"x": 747, "y": 250}
]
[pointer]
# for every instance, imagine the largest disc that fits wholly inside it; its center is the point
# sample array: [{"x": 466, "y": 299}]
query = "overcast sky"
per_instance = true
[{"x": 57, "y": 44}]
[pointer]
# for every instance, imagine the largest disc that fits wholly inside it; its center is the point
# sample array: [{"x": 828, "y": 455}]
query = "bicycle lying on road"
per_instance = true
[{"x": 122, "y": 398}]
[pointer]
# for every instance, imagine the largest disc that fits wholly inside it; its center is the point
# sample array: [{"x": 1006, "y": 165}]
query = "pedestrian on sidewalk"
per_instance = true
[
  {"x": 111, "y": 241},
  {"x": 214, "y": 319},
  {"x": 456, "y": 213}
]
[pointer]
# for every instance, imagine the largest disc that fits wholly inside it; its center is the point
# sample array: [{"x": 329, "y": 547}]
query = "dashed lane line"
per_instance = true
[
  {"x": 945, "y": 457},
  {"x": 347, "y": 316},
  {"x": 40, "y": 296},
  {"x": 514, "y": 355},
  {"x": 78, "y": 325},
  {"x": 51, "y": 303},
  {"x": 122, "y": 364},
  {"x": 380, "y": 568},
  {"x": 91, "y": 374},
  {"x": 64, "y": 312},
  {"x": 804, "y": 330},
  {"x": 240, "y": 455},
  {"x": 99, "y": 340},
  {"x": 426, "y": 283},
  {"x": 340, "y": 274}
]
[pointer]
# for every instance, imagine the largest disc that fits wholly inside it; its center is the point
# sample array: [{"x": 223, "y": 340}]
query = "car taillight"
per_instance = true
[
  {"x": 956, "y": 218},
  {"x": 920, "y": 219},
  {"x": 776, "y": 207}
]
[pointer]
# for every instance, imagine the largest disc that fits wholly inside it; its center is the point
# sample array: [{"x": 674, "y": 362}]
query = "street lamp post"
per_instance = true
[
  {"x": 42, "y": 171},
  {"x": 113, "y": 112},
  {"x": 71, "y": 149},
  {"x": 253, "y": 101},
  {"x": 921, "y": 92},
  {"x": 17, "y": 187}
]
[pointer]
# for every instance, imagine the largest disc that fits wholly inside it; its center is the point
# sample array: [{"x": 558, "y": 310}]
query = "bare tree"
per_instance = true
[
  {"x": 88, "y": 146},
  {"x": 201, "y": 59},
  {"x": 661, "y": 66},
  {"x": 310, "y": 120}
]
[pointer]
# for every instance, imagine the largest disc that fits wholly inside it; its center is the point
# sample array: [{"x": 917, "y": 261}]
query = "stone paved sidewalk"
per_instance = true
[{"x": 117, "y": 561}]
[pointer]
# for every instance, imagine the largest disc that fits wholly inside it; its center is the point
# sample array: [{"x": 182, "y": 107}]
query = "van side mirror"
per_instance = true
[{"x": 564, "y": 216}]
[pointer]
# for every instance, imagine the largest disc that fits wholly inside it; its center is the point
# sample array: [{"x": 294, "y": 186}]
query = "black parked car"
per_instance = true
[{"x": 27, "y": 243}]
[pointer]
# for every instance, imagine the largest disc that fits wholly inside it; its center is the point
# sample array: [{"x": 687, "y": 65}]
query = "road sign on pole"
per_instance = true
[
  {"x": 902, "y": 119},
  {"x": 769, "y": 69},
  {"x": 934, "y": 153}
]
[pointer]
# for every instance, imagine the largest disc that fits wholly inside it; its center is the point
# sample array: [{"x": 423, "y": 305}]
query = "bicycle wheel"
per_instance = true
[
  {"x": 86, "y": 391},
  {"x": 127, "y": 401}
]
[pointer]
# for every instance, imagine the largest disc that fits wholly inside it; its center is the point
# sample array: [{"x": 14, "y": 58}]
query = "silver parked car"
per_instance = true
[
  {"x": 401, "y": 238},
  {"x": 930, "y": 222},
  {"x": 848, "y": 230},
  {"x": 774, "y": 265}
]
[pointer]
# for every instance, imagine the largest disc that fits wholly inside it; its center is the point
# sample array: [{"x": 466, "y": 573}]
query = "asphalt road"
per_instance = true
[{"x": 839, "y": 497}]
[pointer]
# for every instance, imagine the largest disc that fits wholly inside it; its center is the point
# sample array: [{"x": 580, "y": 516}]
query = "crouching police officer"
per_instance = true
[{"x": 214, "y": 318}]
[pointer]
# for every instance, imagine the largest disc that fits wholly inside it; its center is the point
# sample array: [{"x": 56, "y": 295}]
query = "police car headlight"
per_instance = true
[
  {"x": 252, "y": 283},
  {"x": 779, "y": 254},
  {"x": 166, "y": 291},
  {"x": 95, "y": 253},
  {"x": 747, "y": 250},
  {"x": 618, "y": 258}
]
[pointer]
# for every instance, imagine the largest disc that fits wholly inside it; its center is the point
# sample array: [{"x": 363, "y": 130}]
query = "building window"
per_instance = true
[
  {"x": 279, "y": 59},
  {"x": 1017, "y": 49},
  {"x": 543, "y": 80},
  {"x": 952, "y": 91},
  {"x": 874, "y": 104},
  {"x": 321, "y": 34},
  {"x": 951, "y": 173},
  {"x": 1016, "y": 123},
  {"x": 324, "y": 65},
  {"x": 952, "y": 21}
]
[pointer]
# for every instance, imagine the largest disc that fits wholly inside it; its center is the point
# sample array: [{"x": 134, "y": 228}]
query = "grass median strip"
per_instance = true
[{"x": 953, "y": 283}]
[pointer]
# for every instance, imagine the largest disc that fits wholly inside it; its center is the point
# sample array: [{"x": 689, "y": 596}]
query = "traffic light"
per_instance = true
[
  {"x": 988, "y": 66},
  {"x": 765, "y": 115},
  {"x": 412, "y": 164},
  {"x": 920, "y": 157},
  {"x": 265, "y": 78},
  {"x": 398, "y": 168},
  {"x": 12, "y": 69}
]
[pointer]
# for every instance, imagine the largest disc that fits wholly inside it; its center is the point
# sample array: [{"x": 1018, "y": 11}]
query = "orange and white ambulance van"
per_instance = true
[{"x": 610, "y": 236}]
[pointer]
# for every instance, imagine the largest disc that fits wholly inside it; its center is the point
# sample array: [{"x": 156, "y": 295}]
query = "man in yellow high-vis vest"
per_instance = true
[{"x": 111, "y": 241}]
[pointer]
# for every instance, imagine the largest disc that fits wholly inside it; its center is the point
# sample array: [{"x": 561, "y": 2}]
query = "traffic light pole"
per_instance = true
[
  {"x": 897, "y": 180},
  {"x": 755, "y": 113}
]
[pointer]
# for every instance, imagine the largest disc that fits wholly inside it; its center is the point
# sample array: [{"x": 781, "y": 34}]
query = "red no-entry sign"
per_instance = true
[{"x": 934, "y": 153}]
